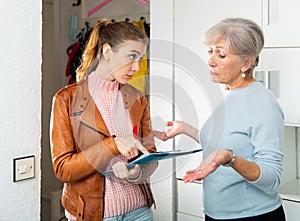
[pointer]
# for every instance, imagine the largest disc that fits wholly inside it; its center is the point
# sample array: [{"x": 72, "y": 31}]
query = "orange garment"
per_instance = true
[{"x": 139, "y": 79}]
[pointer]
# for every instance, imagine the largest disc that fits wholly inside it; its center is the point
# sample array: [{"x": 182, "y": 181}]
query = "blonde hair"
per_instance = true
[{"x": 107, "y": 32}]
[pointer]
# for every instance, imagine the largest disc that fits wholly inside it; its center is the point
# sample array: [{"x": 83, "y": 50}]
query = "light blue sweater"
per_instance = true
[{"x": 250, "y": 122}]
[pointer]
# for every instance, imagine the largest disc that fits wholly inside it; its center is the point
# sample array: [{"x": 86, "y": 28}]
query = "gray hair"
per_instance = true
[{"x": 243, "y": 37}]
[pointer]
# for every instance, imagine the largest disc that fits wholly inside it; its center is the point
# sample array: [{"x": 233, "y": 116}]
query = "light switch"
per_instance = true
[{"x": 23, "y": 168}]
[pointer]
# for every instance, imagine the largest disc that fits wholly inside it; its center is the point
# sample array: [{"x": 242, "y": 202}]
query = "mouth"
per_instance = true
[
  {"x": 213, "y": 74},
  {"x": 128, "y": 76}
]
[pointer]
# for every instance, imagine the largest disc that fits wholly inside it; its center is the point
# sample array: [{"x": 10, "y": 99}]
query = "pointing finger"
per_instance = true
[{"x": 139, "y": 146}]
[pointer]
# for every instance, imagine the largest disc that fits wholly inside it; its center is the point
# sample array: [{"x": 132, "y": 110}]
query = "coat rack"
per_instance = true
[{"x": 101, "y": 5}]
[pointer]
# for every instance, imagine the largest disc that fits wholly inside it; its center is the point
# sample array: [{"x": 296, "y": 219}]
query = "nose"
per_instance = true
[
  {"x": 211, "y": 61},
  {"x": 136, "y": 66}
]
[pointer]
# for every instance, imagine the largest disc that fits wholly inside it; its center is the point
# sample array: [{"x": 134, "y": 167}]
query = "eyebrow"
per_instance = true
[
  {"x": 220, "y": 47},
  {"x": 136, "y": 51}
]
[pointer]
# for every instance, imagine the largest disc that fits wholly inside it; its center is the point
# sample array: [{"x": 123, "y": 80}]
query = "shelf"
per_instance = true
[
  {"x": 289, "y": 124},
  {"x": 290, "y": 190}
]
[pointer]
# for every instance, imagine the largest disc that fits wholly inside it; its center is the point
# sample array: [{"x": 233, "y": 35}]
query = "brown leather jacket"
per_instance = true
[{"x": 82, "y": 146}]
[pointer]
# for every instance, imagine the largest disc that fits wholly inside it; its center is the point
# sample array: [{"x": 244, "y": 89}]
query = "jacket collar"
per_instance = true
[{"x": 85, "y": 109}]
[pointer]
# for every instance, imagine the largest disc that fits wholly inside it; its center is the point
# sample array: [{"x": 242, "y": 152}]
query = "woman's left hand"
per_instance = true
[
  {"x": 207, "y": 166},
  {"x": 121, "y": 171}
]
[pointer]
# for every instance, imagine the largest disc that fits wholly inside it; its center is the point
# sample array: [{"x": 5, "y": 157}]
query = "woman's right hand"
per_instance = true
[
  {"x": 174, "y": 128},
  {"x": 129, "y": 146}
]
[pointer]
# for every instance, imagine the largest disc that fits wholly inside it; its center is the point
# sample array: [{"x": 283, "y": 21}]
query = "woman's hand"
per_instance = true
[
  {"x": 208, "y": 165},
  {"x": 121, "y": 171},
  {"x": 129, "y": 146},
  {"x": 160, "y": 135},
  {"x": 173, "y": 128}
]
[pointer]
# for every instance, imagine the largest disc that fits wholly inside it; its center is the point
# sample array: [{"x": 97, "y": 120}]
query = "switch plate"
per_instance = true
[{"x": 23, "y": 168}]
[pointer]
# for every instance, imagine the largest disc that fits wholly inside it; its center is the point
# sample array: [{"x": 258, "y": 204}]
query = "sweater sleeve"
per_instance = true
[{"x": 266, "y": 138}]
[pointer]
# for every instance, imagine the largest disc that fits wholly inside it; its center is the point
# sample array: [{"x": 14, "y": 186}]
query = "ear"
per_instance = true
[
  {"x": 247, "y": 64},
  {"x": 106, "y": 51}
]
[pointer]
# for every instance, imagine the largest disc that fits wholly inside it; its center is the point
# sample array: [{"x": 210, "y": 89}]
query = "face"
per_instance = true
[
  {"x": 225, "y": 67},
  {"x": 125, "y": 61}
]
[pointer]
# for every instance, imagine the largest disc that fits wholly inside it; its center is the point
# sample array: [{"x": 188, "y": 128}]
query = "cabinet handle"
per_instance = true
[
  {"x": 263, "y": 77},
  {"x": 266, "y": 12},
  {"x": 267, "y": 79},
  {"x": 270, "y": 79},
  {"x": 274, "y": 82},
  {"x": 270, "y": 12}
]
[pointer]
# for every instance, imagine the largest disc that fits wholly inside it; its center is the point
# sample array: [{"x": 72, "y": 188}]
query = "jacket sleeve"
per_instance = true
[
  {"x": 69, "y": 162},
  {"x": 148, "y": 141},
  {"x": 146, "y": 133}
]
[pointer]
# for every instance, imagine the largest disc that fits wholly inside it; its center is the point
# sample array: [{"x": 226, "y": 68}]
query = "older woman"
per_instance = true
[{"x": 242, "y": 171}]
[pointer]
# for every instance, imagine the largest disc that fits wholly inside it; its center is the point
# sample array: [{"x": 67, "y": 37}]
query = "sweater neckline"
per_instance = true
[
  {"x": 100, "y": 84},
  {"x": 238, "y": 90}
]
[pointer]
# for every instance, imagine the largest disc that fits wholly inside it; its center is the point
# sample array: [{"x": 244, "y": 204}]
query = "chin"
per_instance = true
[
  {"x": 213, "y": 79},
  {"x": 123, "y": 81}
]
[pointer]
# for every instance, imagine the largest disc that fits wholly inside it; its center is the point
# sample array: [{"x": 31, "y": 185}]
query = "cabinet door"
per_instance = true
[
  {"x": 292, "y": 210},
  {"x": 282, "y": 77},
  {"x": 190, "y": 198},
  {"x": 281, "y": 19}
]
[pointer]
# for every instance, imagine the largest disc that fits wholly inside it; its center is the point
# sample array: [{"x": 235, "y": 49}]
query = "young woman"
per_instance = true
[{"x": 98, "y": 124}]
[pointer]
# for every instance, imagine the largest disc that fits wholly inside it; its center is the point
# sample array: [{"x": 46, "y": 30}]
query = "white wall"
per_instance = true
[{"x": 20, "y": 118}]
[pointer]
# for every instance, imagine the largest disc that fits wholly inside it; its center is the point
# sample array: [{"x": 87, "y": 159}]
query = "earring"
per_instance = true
[{"x": 243, "y": 75}]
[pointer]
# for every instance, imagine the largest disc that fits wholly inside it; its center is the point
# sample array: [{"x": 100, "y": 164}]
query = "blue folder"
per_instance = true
[{"x": 156, "y": 156}]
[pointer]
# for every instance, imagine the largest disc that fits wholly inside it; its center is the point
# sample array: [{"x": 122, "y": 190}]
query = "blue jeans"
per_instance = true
[{"x": 140, "y": 214}]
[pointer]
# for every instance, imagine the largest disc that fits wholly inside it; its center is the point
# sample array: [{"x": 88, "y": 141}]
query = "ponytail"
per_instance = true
[{"x": 91, "y": 51}]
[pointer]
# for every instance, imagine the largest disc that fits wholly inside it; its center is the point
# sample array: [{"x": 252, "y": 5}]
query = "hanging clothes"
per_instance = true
[
  {"x": 139, "y": 79},
  {"x": 75, "y": 51},
  {"x": 146, "y": 26}
]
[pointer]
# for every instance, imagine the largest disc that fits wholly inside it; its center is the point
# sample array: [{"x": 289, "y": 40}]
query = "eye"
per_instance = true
[
  {"x": 133, "y": 57},
  {"x": 222, "y": 55}
]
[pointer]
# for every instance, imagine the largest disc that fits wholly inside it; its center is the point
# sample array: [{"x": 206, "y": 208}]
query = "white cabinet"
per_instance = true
[
  {"x": 290, "y": 193},
  {"x": 283, "y": 79},
  {"x": 292, "y": 210},
  {"x": 281, "y": 19},
  {"x": 190, "y": 199}
]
